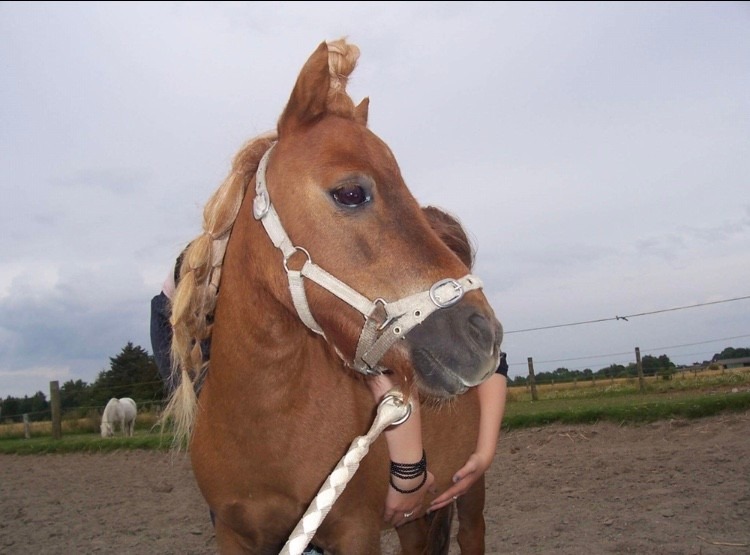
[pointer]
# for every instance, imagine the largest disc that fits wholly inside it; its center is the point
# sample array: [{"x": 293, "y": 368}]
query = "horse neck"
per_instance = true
[{"x": 280, "y": 347}]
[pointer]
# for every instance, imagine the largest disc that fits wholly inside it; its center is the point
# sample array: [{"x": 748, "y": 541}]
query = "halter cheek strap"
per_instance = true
[{"x": 378, "y": 334}]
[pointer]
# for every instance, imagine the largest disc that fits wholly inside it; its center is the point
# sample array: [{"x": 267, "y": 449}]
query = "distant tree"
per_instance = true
[
  {"x": 561, "y": 375},
  {"x": 611, "y": 371},
  {"x": 731, "y": 352},
  {"x": 653, "y": 365},
  {"x": 74, "y": 394},
  {"x": 543, "y": 377},
  {"x": 132, "y": 373},
  {"x": 38, "y": 407},
  {"x": 10, "y": 410},
  {"x": 35, "y": 406}
]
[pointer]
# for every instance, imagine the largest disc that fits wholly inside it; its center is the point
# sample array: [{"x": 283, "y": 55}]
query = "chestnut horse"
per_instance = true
[{"x": 326, "y": 273}]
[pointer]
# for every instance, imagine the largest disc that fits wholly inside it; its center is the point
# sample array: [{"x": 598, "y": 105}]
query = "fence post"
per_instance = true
[
  {"x": 26, "y": 427},
  {"x": 639, "y": 367},
  {"x": 54, "y": 401},
  {"x": 532, "y": 381}
]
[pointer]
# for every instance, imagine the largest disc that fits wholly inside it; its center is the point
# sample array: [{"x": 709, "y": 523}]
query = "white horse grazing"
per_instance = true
[{"x": 122, "y": 411}]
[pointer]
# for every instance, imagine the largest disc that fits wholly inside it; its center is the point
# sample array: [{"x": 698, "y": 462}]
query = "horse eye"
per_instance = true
[{"x": 350, "y": 195}]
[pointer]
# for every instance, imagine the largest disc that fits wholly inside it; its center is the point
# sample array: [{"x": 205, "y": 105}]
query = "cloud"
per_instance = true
[{"x": 597, "y": 154}]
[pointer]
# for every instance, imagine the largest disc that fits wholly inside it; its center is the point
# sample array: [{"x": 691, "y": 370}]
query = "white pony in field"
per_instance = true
[{"x": 122, "y": 411}]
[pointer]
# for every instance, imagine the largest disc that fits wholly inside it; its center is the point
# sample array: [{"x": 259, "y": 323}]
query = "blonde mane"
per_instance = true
[{"x": 200, "y": 272}]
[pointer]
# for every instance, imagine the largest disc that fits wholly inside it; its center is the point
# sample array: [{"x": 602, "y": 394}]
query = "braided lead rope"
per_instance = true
[{"x": 391, "y": 411}]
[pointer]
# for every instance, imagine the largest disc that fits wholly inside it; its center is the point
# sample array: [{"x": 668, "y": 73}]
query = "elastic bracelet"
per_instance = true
[
  {"x": 409, "y": 470},
  {"x": 398, "y": 489}
]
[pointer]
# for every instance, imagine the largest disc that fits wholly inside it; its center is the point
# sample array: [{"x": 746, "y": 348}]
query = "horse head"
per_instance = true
[
  {"x": 110, "y": 415},
  {"x": 365, "y": 256}
]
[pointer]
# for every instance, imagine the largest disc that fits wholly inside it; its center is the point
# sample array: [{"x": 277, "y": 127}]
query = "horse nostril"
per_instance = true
[{"x": 480, "y": 331}]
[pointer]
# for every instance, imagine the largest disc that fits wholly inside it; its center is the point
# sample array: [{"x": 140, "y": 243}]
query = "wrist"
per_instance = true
[
  {"x": 410, "y": 485},
  {"x": 408, "y": 477},
  {"x": 484, "y": 459}
]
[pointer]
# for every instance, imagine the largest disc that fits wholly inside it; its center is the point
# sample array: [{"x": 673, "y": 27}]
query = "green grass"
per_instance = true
[
  {"x": 688, "y": 396},
  {"x": 84, "y": 443},
  {"x": 632, "y": 408}
]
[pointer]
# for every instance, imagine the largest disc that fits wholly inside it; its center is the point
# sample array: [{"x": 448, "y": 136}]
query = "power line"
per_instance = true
[
  {"x": 627, "y": 316},
  {"x": 630, "y": 353}
]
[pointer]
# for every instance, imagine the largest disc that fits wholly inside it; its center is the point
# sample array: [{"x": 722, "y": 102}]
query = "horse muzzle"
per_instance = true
[{"x": 454, "y": 349}]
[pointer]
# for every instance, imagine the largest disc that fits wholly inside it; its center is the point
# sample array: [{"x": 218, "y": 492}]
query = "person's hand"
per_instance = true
[
  {"x": 462, "y": 481},
  {"x": 399, "y": 505}
]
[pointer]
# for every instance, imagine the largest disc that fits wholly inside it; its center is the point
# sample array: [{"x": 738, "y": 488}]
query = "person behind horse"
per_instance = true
[
  {"x": 406, "y": 495},
  {"x": 410, "y": 479}
]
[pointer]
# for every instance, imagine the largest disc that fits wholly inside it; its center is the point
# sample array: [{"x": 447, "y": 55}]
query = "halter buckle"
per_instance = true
[
  {"x": 449, "y": 288},
  {"x": 261, "y": 205}
]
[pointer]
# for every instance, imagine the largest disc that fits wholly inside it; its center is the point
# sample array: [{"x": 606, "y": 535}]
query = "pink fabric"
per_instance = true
[{"x": 168, "y": 286}]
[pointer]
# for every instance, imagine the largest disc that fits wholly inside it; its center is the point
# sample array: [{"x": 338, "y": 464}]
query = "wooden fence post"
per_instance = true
[
  {"x": 639, "y": 367},
  {"x": 26, "y": 427},
  {"x": 54, "y": 401},
  {"x": 532, "y": 381}
]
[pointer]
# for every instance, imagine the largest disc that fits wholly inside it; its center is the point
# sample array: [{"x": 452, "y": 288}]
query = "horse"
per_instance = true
[
  {"x": 119, "y": 411},
  {"x": 326, "y": 273}
]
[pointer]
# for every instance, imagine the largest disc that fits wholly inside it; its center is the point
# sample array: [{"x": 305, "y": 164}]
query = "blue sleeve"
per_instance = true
[{"x": 502, "y": 368}]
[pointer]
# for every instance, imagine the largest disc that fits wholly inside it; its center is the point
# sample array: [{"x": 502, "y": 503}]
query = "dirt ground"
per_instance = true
[{"x": 675, "y": 487}]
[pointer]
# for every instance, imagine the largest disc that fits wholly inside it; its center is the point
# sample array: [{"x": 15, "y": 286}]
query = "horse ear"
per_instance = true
[
  {"x": 307, "y": 102},
  {"x": 362, "y": 111}
]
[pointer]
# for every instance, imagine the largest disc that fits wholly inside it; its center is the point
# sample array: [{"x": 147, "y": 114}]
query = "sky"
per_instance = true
[{"x": 597, "y": 153}]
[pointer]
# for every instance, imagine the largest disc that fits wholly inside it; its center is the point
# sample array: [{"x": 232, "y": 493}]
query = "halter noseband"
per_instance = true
[{"x": 376, "y": 336}]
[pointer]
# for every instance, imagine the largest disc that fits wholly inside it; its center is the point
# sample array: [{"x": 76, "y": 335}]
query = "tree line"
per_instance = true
[
  {"x": 659, "y": 366},
  {"x": 132, "y": 373}
]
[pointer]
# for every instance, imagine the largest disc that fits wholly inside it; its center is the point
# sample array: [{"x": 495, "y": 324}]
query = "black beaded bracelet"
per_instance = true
[
  {"x": 398, "y": 489},
  {"x": 409, "y": 470}
]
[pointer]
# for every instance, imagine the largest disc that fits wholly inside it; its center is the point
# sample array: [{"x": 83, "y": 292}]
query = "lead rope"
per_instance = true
[{"x": 391, "y": 411}]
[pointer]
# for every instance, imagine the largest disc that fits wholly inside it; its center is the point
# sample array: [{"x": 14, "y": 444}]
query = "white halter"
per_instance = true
[{"x": 376, "y": 336}]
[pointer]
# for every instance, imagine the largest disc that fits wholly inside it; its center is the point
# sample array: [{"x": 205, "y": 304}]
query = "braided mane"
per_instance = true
[{"x": 200, "y": 272}]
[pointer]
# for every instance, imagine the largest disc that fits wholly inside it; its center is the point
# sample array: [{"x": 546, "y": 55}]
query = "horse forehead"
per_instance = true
[{"x": 338, "y": 144}]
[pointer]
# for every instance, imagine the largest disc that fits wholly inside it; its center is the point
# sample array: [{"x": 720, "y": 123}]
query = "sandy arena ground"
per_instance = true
[{"x": 669, "y": 488}]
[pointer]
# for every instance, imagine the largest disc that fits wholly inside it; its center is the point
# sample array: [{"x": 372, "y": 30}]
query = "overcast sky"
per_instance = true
[{"x": 598, "y": 154}]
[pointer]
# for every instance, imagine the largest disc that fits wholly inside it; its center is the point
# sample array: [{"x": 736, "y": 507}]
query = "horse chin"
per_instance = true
[{"x": 438, "y": 380}]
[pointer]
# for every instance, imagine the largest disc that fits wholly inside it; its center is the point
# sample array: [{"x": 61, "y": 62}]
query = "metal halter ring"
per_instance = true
[
  {"x": 297, "y": 249},
  {"x": 398, "y": 399}
]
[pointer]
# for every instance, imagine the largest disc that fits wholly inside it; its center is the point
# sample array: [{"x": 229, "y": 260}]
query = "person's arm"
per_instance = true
[
  {"x": 405, "y": 447},
  {"x": 492, "y": 393}
]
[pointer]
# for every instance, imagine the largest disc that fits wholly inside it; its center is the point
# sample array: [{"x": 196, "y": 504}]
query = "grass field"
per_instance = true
[{"x": 688, "y": 395}]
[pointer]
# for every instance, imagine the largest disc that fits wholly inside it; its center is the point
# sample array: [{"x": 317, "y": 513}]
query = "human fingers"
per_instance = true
[
  {"x": 406, "y": 517},
  {"x": 439, "y": 505},
  {"x": 447, "y": 497},
  {"x": 469, "y": 468},
  {"x": 430, "y": 483}
]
